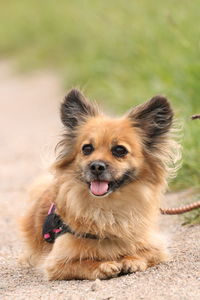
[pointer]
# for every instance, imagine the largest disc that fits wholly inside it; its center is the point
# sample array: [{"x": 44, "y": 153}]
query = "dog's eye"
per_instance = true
[
  {"x": 87, "y": 149},
  {"x": 119, "y": 151}
]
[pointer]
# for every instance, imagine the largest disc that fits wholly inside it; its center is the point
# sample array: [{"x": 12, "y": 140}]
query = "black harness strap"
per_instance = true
[{"x": 54, "y": 226}]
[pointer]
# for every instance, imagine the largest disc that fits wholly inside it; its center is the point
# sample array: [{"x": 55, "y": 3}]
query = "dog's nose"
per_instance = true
[{"x": 97, "y": 167}]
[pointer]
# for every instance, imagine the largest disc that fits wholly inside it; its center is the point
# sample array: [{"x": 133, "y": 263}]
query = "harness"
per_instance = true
[{"x": 54, "y": 226}]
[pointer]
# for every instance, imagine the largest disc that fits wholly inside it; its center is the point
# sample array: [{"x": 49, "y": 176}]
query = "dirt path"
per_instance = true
[{"x": 29, "y": 126}]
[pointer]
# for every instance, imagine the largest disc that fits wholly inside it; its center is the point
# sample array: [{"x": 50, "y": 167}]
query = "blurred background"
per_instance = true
[{"x": 119, "y": 52}]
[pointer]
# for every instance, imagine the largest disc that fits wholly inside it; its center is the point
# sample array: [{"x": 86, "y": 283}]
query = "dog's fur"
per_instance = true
[{"x": 125, "y": 218}]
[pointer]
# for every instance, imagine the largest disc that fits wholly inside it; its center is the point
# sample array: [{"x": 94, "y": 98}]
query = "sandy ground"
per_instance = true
[{"x": 29, "y": 126}]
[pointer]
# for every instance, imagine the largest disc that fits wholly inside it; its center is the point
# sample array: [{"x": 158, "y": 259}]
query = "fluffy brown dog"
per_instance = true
[{"x": 107, "y": 185}]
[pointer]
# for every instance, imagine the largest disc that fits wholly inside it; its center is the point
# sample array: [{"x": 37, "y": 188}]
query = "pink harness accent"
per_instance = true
[{"x": 52, "y": 209}]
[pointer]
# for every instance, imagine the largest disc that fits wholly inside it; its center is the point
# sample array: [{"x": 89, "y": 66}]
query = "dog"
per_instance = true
[{"x": 104, "y": 194}]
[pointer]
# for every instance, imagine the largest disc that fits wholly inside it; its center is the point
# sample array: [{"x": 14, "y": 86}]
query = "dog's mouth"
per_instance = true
[{"x": 99, "y": 188}]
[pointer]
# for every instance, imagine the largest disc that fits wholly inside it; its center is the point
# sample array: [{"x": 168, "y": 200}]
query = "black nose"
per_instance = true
[{"x": 97, "y": 167}]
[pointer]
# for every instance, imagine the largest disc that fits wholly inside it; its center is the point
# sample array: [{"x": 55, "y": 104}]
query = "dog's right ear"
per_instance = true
[{"x": 75, "y": 109}]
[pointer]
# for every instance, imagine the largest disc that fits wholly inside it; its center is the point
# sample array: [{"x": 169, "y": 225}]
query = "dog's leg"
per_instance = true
[
  {"x": 141, "y": 262},
  {"x": 28, "y": 259},
  {"x": 131, "y": 264},
  {"x": 85, "y": 269},
  {"x": 64, "y": 262}
]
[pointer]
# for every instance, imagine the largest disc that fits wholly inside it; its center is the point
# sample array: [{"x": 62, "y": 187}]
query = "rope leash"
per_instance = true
[
  {"x": 180, "y": 210},
  {"x": 186, "y": 208},
  {"x": 194, "y": 117}
]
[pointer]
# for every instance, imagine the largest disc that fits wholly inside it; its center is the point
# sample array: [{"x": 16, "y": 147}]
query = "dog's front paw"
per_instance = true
[
  {"x": 131, "y": 265},
  {"x": 52, "y": 271},
  {"x": 108, "y": 270}
]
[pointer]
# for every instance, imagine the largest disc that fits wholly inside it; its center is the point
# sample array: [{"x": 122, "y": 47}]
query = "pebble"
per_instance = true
[{"x": 96, "y": 285}]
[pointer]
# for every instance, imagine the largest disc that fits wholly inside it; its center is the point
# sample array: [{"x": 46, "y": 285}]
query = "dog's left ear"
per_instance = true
[
  {"x": 154, "y": 118},
  {"x": 76, "y": 108}
]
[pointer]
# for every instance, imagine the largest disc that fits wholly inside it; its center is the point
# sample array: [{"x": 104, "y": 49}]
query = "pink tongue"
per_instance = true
[{"x": 99, "y": 187}]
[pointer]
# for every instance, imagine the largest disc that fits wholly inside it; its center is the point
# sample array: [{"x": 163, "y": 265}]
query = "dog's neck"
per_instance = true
[{"x": 122, "y": 211}]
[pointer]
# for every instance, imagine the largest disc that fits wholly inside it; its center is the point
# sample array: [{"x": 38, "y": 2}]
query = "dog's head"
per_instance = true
[{"x": 105, "y": 153}]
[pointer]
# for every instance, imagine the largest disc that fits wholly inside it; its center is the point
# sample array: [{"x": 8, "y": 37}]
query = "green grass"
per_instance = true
[
  {"x": 192, "y": 218},
  {"x": 120, "y": 52}
]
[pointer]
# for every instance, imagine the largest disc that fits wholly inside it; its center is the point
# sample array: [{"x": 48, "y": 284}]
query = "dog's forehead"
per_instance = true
[{"x": 107, "y": 130}]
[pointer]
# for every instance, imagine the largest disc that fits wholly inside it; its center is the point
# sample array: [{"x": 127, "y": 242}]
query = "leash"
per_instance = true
[
  {"x": 54, "y": 226},
  {"x": 194, "y": 117},
  {"x": 180, "y": 210},
  {"x": 186, "y": 208}
]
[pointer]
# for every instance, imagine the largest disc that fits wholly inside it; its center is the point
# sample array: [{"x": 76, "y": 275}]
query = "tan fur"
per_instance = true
[{"x": 125, "y": 220}]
